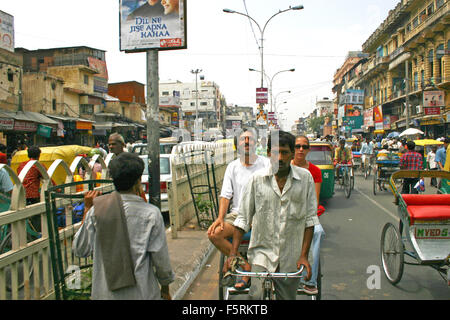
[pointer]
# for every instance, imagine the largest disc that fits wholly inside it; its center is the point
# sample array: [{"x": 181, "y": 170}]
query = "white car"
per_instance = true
[{"x": 165, "y": 169}]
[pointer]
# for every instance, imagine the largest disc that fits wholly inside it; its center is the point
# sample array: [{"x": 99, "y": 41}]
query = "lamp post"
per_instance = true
[
  {"x": 299, "y": 7},
  {"x": 271, "y": 82},
  {"x": 196, "y": 72},
  {"x": 276, "y": 97}
]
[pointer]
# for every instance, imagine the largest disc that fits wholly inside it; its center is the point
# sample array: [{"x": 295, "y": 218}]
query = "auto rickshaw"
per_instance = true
[
  {"x": 321, "y": 154},
  {"x": 445, "y": 183},
  {"x": 49, "y": 155},
  {"x": 423, "y": 146}
]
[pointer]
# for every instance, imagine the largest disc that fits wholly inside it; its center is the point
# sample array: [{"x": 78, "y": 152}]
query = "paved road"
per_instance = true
[{"x": 351, "y": 247}]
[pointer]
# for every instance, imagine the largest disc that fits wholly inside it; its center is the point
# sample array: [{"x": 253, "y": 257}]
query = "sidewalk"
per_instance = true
[{"x": 188, "y": 254}]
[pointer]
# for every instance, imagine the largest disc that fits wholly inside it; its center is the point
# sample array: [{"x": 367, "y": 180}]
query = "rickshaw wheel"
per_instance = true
[
  {"x": 392, "y": 253},
  {"x": 347, "y": 185},
  {"x": 375, "y": 175}
]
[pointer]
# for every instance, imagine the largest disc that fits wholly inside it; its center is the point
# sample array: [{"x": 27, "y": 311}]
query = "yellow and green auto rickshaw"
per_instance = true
[
  {"x": 424, "y": 146},
  {"x": 321, "y": 154},
  {"x": 49, "y": 155}
]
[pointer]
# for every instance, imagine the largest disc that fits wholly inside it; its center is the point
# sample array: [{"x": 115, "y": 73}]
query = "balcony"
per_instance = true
[{"x": 427, "y": 22}]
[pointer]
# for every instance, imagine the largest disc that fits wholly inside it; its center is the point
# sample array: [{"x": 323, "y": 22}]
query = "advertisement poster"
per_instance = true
[
  {"x": 152, "y": 24},
  {"x": 261, "y": 118},
  {"x": 368, "y": 118},
  {"x": 353, "y": 111},
  {"x": 433, "y": 99},
  {"x": 6, "y": 31},
  {"x": 378, "y": 114}
]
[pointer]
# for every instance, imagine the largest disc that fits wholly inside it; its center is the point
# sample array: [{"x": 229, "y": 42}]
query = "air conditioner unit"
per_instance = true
[{"x": 419, "y": 109}]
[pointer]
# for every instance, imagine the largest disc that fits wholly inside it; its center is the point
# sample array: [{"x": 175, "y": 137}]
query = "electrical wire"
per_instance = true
[{"x": 251, "y": 26}]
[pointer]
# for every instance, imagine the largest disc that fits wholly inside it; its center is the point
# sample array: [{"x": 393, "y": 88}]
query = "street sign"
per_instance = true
[{"x": 262, "y": 95}]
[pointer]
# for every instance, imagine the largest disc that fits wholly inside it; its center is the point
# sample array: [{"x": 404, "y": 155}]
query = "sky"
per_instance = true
[{"x": 314, "y": 41}]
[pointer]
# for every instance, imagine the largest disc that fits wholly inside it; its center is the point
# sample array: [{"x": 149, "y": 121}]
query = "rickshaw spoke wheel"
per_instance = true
[
  {"x": 392, "y": 253},
  {"x": 347, "y": 185}
]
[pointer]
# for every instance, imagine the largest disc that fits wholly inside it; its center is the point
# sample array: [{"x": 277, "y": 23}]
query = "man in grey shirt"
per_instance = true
[
  {"x": 145, "y": 236},
  {"x": 280, "y": 204}
]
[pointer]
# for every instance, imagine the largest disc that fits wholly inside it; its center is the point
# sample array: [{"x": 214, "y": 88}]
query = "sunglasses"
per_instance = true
[{"x": 304, "y": 146}]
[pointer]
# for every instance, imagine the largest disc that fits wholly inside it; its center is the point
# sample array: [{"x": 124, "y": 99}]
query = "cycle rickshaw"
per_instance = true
[
  {"x": 226, "y": 291},
  {"x": 423, "y": 232},
  {"x": 386, "y": 163}
]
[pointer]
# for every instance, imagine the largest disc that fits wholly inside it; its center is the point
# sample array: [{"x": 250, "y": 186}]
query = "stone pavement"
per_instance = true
[{"x": 188, "y": 253}]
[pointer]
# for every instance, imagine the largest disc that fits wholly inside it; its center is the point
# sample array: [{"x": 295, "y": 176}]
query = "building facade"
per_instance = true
[{"x": 406, "y": 79}]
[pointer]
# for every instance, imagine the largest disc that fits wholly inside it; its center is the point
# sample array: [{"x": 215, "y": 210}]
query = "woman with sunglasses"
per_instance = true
[{"x": 302, "y": 149}]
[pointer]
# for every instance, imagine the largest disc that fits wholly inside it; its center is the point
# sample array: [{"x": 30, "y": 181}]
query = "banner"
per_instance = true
[
  {"x": 355, "y": 123},
  {"x": 262, "y": 96},
  {"x": 44, "y": 131},
  {"x": 147, "y": 24}
]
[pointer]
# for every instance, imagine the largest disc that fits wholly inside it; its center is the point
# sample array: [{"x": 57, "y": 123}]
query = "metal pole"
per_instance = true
[
  {"x": 407, "y": 92},
  {"x": 153, "y": 127}
]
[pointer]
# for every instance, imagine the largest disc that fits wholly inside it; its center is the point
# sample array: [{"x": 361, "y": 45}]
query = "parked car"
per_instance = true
[
  {"x": 165, "y": 169},
  {"x": 165, "y": 146}
]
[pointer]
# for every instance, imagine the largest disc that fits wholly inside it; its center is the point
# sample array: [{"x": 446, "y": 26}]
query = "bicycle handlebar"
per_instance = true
[{"x": 271, "y": 274}]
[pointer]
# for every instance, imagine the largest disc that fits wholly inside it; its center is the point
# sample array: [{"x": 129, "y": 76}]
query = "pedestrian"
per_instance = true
[
  {"x": 441, "y": 156},
  {"x": 302, "y": 149},
  {"x": 6, "y": 187},
  {"x": 116, "y": 143},
  {"x": 32, "y": 180},
  {"x": 236, "y": 176},
  {"x": 127, "y": 238},
  {"x": 280, "y": 205},
  {"x": 410, "y": 160},
  {"x": 3, "y": 158},
  {"x": 431, "y": 160}
]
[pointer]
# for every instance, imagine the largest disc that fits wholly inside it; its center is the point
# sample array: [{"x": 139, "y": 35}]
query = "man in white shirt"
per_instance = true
[
  {"x": 237, "y": 175},
  {"x": 280, "y": 205}
]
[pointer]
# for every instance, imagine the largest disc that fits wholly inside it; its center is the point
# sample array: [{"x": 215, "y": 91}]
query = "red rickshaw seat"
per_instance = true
[{"x": 427, "y": 206}]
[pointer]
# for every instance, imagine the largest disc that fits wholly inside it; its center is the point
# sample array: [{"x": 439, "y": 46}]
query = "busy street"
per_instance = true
[
  {"x": 225, "y": 150},
  {"x": 350, "y": 254}
]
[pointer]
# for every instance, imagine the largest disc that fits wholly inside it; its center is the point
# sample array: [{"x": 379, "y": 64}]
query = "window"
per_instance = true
[
  {"x": 86, "y": 108},
  {"x": 422, "y": 79},
  {"x": 423, "y": 16},
  {"x": 10, "y": 75},
  {"x": 415, "y": 22},
  {"x": 54, "y": 104},
  {"x": 430, "y": 9},
  {"x": 408, "y": 27},
  {"x": 203, "y": 104},
  {"x": 439, "y": 3},
  {"x": 86, "y": 79},
  {"x": 416, "y": 81},
  {"x": 165, "y": 93}
]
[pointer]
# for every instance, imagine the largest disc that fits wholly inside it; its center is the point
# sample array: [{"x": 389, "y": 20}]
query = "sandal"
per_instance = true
[{"x": 245, "y": 286}]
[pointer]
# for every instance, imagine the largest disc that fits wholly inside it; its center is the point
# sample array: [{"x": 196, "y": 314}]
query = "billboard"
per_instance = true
[
  {"x": 152, "y": 24},
  {"x": 6, "y": 31}
]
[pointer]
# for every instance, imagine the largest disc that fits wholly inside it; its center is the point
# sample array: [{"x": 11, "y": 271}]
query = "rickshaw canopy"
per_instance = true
[
  {"x": 426, "y": 142},
  {"x": 50, "y": 154}
]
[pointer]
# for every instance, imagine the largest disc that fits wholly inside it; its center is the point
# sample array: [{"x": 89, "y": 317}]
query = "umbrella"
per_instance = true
[
  {"x": 394, "y": 134},
  {"x": 410, "y": 132}
]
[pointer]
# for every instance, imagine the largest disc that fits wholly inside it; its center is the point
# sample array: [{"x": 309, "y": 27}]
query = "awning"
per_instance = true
[
  {"x": 103, "y": 125},
  {"x": 403, "y": 57},
  {"x": 65, "y": 118}
]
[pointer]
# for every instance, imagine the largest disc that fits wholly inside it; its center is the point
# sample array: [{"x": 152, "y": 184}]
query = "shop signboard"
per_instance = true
[
  {"x": 81, "y": 125},
  {"x": 44, "y": 131},
  {"x": 353, "y": 122},
  {"x": 6, "y": 124},
  {"x": 25, "y": 126},
  {"x": 144, "y": 26},
  {"x": 378, "y": 114},
  {"x": 387, "y": 122},
  {"x": 432, "y": 110}
]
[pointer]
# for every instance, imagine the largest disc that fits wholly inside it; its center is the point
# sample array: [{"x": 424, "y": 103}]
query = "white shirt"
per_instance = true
[
  {"x": 149, "y": 252},
  {"x": 431, "y": 160},
  {"x": 278, "y": 220},
  {"x": 237, "y": 176}
]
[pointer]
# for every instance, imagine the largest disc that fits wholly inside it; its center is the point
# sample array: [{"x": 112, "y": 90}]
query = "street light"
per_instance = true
[
  {"x": 271, "y": 82},
  {"x": 196, "y": 72},
  {"x": 299, "y": 7}
]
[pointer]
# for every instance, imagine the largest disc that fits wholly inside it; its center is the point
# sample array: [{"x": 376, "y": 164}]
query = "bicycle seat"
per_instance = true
[
  {"x": 427, "y": 206},
  {"x": 245, "y": 238}
]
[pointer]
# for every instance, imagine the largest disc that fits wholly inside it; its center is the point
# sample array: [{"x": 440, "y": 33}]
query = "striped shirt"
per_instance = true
[
  {"x": 278, "y": 220},
  {"x": 411, "y": 161}
]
